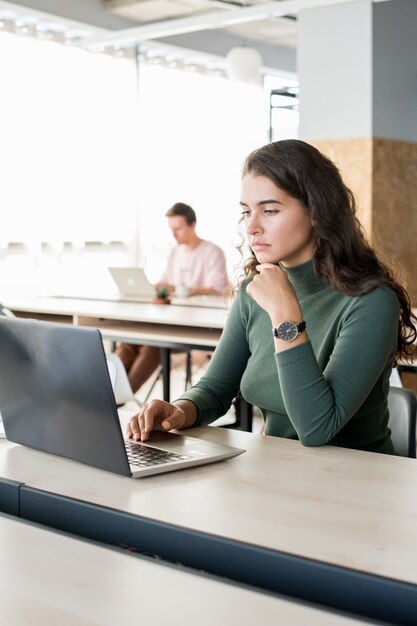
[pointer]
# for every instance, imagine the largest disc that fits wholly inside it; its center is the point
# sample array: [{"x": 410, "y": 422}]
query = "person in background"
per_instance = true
[
  {"x": 318, "y": 319},
  {"x": 197, "y": 265},
  {"x": 194, "y": 263}
]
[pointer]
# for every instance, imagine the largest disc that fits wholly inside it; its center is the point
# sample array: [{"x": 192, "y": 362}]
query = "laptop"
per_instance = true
[
  {"x": 132, "y": 283},
  {"x": 56, "y": 396}
]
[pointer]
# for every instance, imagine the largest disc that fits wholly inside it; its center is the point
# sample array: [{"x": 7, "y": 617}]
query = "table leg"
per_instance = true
[
  {"x": 166, "y": 372},
  {"x": 244, "y": 411}
]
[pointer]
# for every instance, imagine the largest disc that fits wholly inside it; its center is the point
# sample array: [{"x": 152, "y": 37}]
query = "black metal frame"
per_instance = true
[{"x": 277, "y": 92}]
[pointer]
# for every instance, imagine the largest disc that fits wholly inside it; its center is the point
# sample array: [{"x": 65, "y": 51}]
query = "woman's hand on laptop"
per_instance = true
[{"x": 161, "y": 415}]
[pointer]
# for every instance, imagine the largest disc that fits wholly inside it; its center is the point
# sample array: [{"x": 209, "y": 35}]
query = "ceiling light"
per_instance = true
[{"x": 244, "y": 64}]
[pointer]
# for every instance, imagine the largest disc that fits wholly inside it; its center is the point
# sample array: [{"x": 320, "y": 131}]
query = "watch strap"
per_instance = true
[{"x": 300, "y": 328}]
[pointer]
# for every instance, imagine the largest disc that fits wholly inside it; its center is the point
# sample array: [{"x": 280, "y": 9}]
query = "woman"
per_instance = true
[{"x": 317, "y": 322}]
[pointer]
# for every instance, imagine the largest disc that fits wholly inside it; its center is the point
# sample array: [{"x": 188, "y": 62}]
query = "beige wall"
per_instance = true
[{"x": 382, "y": 173}]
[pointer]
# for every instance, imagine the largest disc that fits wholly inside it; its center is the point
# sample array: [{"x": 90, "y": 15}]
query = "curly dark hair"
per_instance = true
[{"x": 342, "y": 255}]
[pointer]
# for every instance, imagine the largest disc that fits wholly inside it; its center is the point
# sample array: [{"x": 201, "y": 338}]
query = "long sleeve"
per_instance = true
[
  {"x": 214, "y": 393},
  {"x": 319, "y": 403}
]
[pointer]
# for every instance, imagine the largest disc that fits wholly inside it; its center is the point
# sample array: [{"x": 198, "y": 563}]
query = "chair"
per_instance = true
[
  {"x": 5, "y": 311},
  {"x": 395, "y": 378},
  {"x": 8, "y": 313},
  {"x": 402, "y": 405},
  {"x": 121, "y": 386},
  {"x": 122, "y": 389}
]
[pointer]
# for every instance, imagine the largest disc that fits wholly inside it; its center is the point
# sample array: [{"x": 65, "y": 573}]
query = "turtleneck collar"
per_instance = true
[{"x": 304, "y": 280}]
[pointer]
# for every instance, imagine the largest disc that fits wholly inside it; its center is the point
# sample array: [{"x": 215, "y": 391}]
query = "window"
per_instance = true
[
  {"x": 195, "y": 131},
  {"x": 86, "y": 156},
  {"x": 68, "y": 143}
]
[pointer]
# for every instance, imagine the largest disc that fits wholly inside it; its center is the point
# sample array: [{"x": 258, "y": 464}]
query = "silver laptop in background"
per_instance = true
[
  {"x": 132, "y": 283},
  {"x": 56, "y": 396}
]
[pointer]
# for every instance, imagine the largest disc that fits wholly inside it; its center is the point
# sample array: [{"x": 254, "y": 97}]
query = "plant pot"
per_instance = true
[{"x": 161, "y": 301}]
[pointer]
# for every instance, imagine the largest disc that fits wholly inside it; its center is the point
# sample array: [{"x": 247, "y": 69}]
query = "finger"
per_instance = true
[
  {"x": 141, "y": 423},
  {"x": 266, "y": 266},
  {"x": 146, "y": 422},
  {"x": 133, "y": 428},
  {"x": 173, "y": 420}
]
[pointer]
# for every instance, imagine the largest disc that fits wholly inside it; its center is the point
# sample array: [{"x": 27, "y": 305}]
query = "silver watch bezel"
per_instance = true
[{"x": 278, "y": 332}]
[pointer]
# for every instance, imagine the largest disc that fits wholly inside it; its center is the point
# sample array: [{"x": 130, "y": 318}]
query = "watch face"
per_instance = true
[{"x": 287, "y": 331}]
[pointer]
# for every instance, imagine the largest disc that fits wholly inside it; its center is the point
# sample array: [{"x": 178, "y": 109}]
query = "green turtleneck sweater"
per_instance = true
[{"x": 332, "y": 389}]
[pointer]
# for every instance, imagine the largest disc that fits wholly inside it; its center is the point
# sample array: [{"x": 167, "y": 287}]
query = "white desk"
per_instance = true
[
  {"x": 47, "y": 579},
  {"x": 71, "y": 309},
  {"x": 338, "y": 507}
]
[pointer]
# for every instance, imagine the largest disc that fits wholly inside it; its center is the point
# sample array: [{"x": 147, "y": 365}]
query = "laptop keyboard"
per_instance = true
[{"x": 146, "y": 456}]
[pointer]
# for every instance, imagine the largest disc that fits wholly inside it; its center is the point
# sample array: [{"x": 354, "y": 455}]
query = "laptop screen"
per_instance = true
[
  {"x": 132, "y": 281},
  {"x": 56, "y": 394}
]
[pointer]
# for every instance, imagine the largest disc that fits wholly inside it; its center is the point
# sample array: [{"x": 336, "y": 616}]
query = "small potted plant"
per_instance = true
[{"x": 161, "y": 296}]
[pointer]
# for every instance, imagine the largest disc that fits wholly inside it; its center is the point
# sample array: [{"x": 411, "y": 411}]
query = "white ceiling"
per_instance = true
[
  {"x": 275, "y": 31},
  {"x": 210, "y": 27}
]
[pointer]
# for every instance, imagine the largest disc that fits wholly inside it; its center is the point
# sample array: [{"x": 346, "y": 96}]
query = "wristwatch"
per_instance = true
[{"x": 288, "y": 331}]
